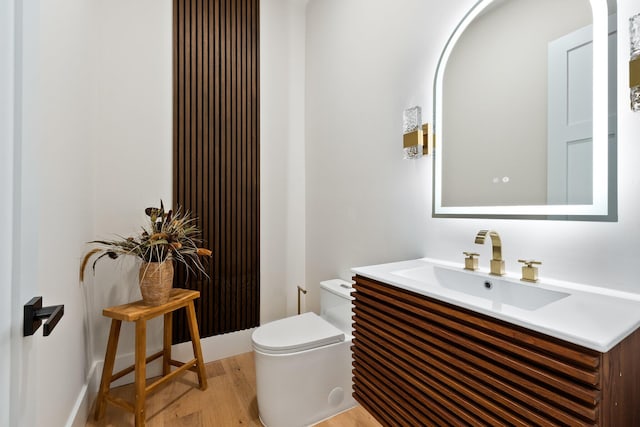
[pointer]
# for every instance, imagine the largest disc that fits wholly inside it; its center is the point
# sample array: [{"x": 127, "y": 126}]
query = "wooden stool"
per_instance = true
[{"x": 139, "y": 312}]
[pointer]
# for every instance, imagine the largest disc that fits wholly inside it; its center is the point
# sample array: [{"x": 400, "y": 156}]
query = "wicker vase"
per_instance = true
[{"x": 156, "y": 281}]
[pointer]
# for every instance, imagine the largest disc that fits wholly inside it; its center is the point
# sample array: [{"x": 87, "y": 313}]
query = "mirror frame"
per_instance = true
[{"x": 604, "y": 207}]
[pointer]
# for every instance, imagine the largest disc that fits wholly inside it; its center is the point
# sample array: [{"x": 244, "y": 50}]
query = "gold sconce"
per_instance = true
[
  {"x": 417, "y": 138},
  {"x": 634, "y": 62}
]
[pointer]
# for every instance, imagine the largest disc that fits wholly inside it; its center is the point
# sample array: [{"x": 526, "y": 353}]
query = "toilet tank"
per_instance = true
[{"x": 336, "y": 303}]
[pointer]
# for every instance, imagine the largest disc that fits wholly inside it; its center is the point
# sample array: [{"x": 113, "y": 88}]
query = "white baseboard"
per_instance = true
[
  {"x": 216, "y": 348},
  {"x": 213, "y": 348},
  {"x": 80, "y": 411}
]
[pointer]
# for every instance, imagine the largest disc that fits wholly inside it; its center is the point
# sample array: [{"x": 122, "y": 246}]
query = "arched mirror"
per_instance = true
[{"x": 525, "y": 112}]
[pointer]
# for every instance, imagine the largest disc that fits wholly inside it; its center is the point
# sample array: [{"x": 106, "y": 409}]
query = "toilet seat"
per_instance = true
[{"x": 295, "y": 334}]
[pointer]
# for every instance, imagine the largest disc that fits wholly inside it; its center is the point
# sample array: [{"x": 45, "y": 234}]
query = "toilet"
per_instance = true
[{"x": 303, "y": 363}]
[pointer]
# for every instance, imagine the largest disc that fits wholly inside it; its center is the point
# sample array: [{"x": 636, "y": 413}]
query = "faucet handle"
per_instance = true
[
  {"x": 529, "y": 272},
  {"x": 529, "y": 262},
  {"x": 470, "y": 261}
]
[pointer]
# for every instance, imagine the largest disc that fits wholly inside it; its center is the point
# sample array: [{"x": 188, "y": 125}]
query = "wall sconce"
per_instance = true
[
  {"x": 634, "y": 62},
  {"x": 417, "y": 138}
]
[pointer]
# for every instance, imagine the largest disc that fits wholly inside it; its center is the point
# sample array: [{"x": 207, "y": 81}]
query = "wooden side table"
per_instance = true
[{"x": 139, "y": 313}]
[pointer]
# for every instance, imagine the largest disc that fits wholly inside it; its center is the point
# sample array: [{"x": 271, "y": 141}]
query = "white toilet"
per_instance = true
[{"x": 303, "y": 363}]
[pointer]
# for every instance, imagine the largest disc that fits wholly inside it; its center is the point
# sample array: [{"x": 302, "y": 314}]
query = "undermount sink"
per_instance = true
[
  {"x": 495, "y": 290},
  {"x": 598, "y": 318}
]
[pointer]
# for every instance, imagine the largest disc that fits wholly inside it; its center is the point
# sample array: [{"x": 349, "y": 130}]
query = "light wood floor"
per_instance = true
[{"x": 230, "y": 400}]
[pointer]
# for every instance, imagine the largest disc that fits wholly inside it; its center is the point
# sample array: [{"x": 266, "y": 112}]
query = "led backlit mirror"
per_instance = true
[{"x": 525, "y": 112}]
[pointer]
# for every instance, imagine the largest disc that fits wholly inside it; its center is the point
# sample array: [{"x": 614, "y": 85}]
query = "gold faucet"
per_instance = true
[{"x": 497, "y": 264}]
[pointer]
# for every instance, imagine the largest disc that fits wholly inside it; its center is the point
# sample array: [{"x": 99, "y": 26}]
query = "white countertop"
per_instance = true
[{"x": 593, "y": 317}]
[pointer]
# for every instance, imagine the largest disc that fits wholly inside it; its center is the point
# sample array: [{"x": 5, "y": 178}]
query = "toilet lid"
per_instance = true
[{"x": 297, "y": 333}]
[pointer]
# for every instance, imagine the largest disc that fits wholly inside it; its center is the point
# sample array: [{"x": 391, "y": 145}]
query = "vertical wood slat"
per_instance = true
[{"x": 216, "y": 155}]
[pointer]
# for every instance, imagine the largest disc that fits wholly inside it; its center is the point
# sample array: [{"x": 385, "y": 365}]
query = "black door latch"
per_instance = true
[{"x": 34, "y": 313}]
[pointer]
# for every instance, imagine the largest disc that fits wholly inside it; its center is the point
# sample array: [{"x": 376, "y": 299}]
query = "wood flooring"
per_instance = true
[{"x": 229, "y": 400}]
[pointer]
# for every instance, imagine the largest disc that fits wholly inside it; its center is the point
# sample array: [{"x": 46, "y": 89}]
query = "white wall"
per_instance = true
[
  {"x": 66, "y": 186},
  {"x": 282, "y": 150},
  {"x": 367, "y": 61},
  {"x": 7, "y": 134},
  {"x": 53, "y": 214},
  {"x": 24, "y": 277},
  {"x": 131, "y": 100}
]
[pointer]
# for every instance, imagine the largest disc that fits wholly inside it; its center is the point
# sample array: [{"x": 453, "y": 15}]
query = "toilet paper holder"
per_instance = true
[{"x": 303, "y": 291}]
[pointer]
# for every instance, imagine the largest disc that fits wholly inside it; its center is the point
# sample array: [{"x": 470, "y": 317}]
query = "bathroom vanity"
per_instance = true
[{"x": 428, "y": 353}]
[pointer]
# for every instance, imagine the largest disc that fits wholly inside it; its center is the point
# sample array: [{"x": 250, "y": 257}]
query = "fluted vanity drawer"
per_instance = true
[{"x": 426, "y": 362}]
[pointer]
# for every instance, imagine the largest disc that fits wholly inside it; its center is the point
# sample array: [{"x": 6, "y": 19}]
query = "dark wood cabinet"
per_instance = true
[{"x": 422, "y": 362}]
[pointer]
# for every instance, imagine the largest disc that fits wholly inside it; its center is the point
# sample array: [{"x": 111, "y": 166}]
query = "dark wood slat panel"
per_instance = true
[
  {"x": 460, "y": 384},
  {"x": 420, "y": 412},
  {"x": 562, "y": 350},
  {"x": 461, "y": 349},
  {"x": 367, "y": 399},
  {"x": 225, "y": 176},
  {"x": 205, "y": 309},
  {"x": 243, "y": 162},
  {"x": 494, "y": 395},
  {"x": 517, "y": 392},
  {"x": 514, "y": 398},
  {"x": 437, "y": 348},
  {"x": 487, "y": 358},
  {"x": 216, "y": 74},
  {"x": 372, "y": 368},
  {"x": 621, "y": 379},
  {"x": 446, "y": 399},
  {"x": 445, "y": 394},
  {"x": 393, "y": 413},
  {"x": 216, "y": 161},
  {"x": 517, "y": 342},
  {"x": 254, "y": 30}
]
